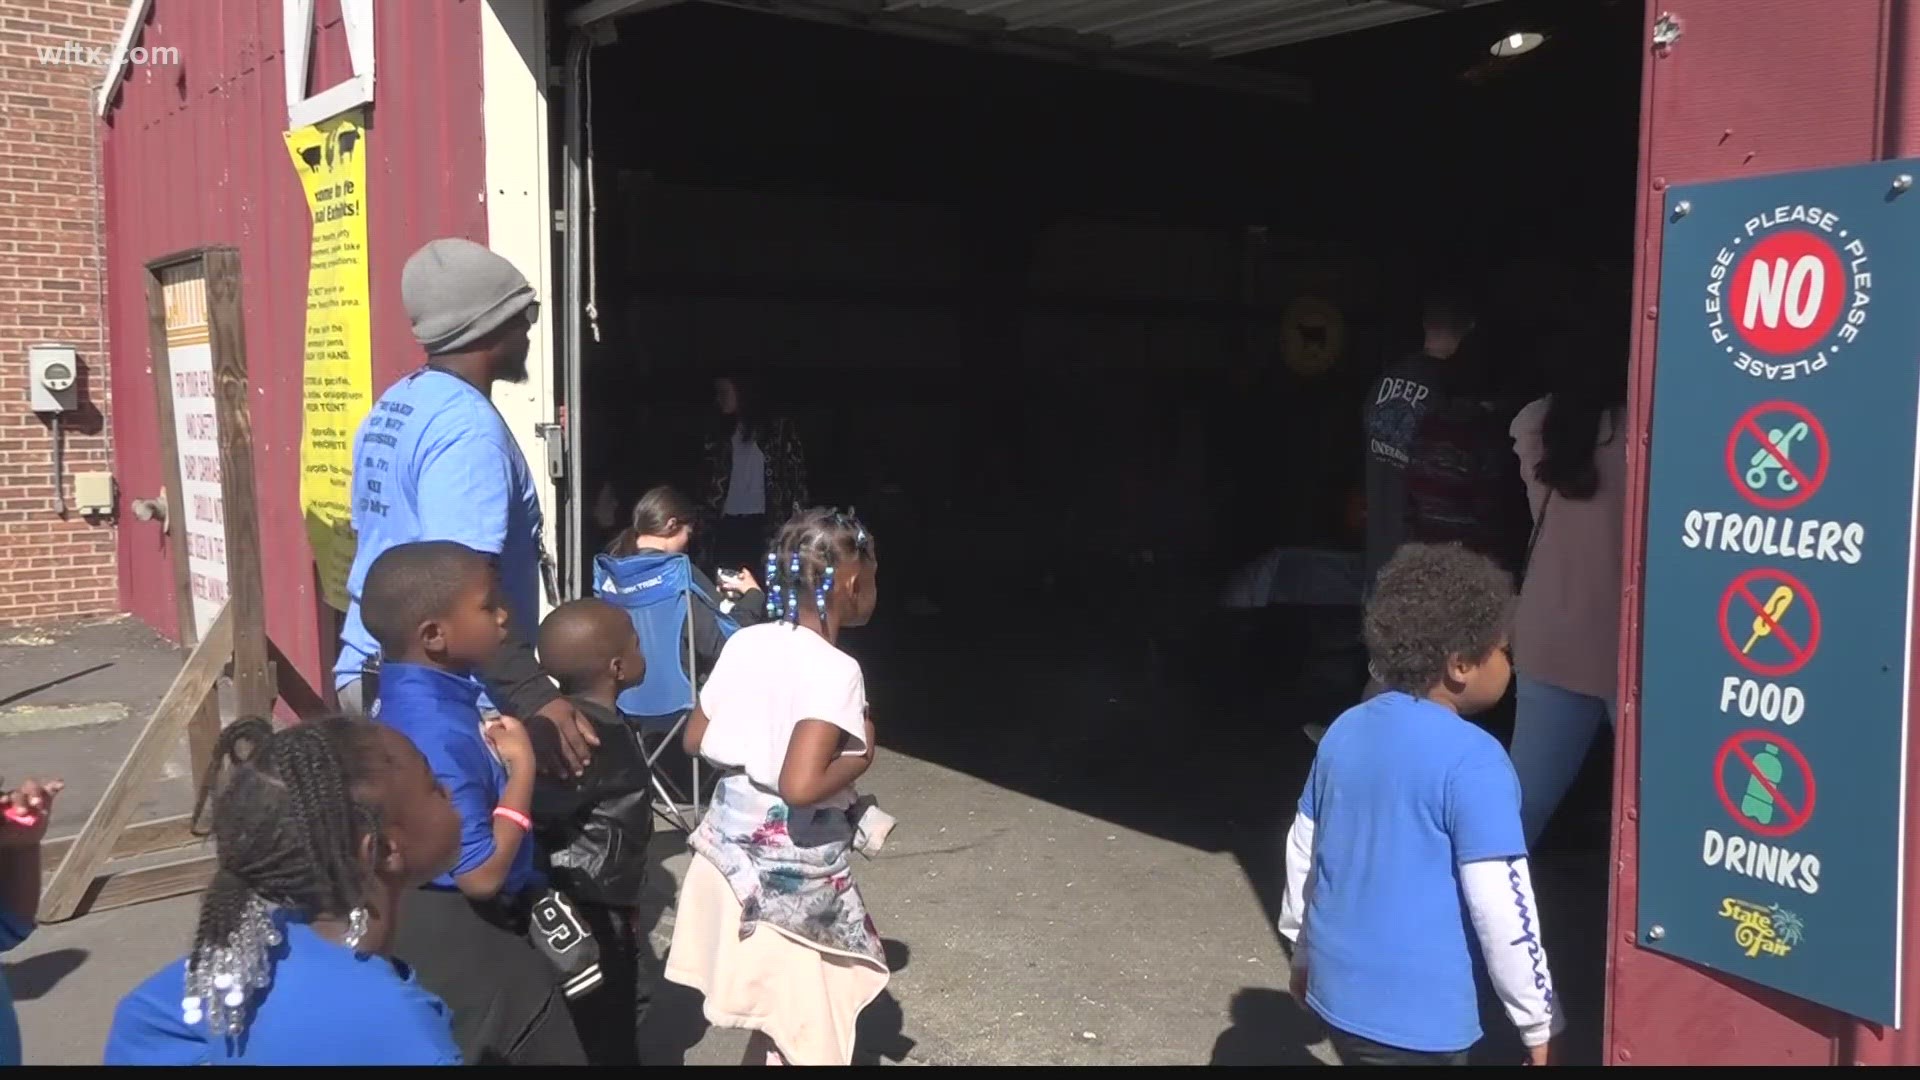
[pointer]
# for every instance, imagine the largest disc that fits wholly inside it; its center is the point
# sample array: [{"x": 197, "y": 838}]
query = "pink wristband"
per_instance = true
[{"x": 515, "y": 816}]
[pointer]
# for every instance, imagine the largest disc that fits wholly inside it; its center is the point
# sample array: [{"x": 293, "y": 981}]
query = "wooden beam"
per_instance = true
[
  {"x": 145, "y": 838},
  {"x": 252, "y": 682},
  {"x": 203, "y": 731},
  {"x": 300, "y": 696},
  {"x": 97, "y": 838},
  {"x": 121, "y": 888}
]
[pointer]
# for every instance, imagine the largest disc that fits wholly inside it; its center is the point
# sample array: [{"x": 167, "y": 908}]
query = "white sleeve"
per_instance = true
[
  {"x": 1506, "y": 917},
  {"x": 838, "y": 695},
  {"x": 1293, "y": 906}
]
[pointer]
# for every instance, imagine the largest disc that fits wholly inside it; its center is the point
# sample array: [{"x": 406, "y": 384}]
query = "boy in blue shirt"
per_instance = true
[
  {"x": 1406, "y": 863},
  {"x": 435, "y": 609}
]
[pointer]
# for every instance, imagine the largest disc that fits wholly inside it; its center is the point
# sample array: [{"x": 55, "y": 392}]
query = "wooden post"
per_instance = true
[
  {"x": 207, "y": 312},
  {"x": 252, "y": 682}
]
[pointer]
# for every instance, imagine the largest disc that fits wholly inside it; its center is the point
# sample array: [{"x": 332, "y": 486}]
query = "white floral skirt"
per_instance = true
[{"x": 804, "y": 997}]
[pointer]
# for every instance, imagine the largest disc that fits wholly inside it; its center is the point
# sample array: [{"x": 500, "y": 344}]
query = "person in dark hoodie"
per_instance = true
[{"x": 319, "y": 830}]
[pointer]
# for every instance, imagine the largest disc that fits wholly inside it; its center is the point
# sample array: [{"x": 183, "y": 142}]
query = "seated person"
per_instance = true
[{"x": 663, "y": 522}]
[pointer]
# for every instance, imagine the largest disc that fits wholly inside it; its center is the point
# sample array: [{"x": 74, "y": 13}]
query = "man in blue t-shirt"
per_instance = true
[
  {"x": 434, "y": 460},
  {"x": 1406, "y": 862}
]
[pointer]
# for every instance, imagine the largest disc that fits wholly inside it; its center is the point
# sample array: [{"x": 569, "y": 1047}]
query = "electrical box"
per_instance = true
[
  {"x": 53, "y": 375},
  {"x": 93, "y": 492}
]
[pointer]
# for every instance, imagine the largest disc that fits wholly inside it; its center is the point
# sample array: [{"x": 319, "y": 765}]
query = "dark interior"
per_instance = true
[{"x": 1033, "y": 322}]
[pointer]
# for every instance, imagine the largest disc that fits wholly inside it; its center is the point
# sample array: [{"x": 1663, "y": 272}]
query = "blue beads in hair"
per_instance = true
[
  {"x": 793, "y": 600},
  {"x": 773, "y": 584}
]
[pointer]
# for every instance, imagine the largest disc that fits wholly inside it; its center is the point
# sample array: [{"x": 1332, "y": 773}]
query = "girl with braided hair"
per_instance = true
[
  {"x": 320, "y": 830},
  {"x": 770, "y": 926}
]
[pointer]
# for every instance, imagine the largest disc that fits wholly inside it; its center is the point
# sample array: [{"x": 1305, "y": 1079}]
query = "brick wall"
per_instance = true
[{"x": 52, "y": 54}]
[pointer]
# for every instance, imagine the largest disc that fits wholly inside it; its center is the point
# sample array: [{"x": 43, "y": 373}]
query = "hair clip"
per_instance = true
[{"x": 850, "y": 519}]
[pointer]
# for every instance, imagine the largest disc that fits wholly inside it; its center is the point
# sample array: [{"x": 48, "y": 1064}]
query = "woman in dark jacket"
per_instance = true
[
  {"x": 756, "y": 475},
  {"x": 663, "y": 521}
]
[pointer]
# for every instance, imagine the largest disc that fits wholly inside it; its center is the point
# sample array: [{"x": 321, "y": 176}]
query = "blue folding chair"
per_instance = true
[{"x": 656, "y": 591}]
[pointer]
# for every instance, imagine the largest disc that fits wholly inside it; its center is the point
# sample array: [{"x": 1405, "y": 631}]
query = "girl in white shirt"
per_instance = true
[{"x": 770, "y": 927}]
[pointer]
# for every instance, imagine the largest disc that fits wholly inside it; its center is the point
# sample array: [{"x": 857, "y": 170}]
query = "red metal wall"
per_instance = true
[
  {"x": 1750, "y": 87},
  {"x": 193, "y": 156}
]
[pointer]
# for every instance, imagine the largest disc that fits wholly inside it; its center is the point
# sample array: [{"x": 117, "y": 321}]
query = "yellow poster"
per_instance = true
[{"x": 331, "y": 160}]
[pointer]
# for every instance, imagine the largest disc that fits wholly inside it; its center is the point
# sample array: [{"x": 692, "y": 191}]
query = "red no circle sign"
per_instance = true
[
  {"x": 1787, "y": 292},
  {"x": 1754, "y": 614},
  {"x": 1737, "y": 756},
  {"x": 1760, "y": 455}
]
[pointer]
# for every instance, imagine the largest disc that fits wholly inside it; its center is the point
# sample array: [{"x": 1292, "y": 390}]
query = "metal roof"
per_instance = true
[
  {"x": 1177, "y": 40},
  {"x": 1208, "y": 29}
]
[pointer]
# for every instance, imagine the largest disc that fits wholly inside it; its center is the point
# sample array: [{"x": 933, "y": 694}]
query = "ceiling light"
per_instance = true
[{"x": 1518, "y": 42}]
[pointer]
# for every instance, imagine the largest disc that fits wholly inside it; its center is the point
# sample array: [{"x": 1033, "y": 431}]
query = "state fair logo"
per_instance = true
[{"x": 1789, "y": 294}]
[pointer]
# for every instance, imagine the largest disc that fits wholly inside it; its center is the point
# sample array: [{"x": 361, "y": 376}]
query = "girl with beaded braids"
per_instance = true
[
  {"x": 319, "y": 831},
  {"x": 770, "y": 926}
]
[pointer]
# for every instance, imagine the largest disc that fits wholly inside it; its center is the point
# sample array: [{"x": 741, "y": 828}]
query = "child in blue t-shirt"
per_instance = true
[
  {"x": 319, "y": 831},
  {"x": 435, "y": 609},
  {"x": 1407, "y": 859},
  {"x": 23, "y": 824}
]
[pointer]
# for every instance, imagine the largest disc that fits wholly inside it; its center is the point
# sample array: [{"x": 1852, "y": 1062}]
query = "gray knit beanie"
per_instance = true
[{"x": 457, "y": 292}]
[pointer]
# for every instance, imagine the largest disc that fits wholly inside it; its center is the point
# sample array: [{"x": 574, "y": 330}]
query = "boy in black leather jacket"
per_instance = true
[{"x": 595, "y": 827}]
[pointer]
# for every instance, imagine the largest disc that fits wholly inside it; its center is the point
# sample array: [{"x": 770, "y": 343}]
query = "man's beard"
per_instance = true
[{"x": 513, "y": 368}]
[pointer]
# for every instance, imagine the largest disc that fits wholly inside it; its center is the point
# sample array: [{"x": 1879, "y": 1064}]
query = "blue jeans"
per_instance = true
[{"x": 1552, "y": 729}]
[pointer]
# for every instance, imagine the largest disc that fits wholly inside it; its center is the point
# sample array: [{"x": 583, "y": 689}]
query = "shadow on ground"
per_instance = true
[
  {"x": 1190, "y": 731},
  {"x": 31, "y": 978},
  {"x": 1268, "y": 1029}
]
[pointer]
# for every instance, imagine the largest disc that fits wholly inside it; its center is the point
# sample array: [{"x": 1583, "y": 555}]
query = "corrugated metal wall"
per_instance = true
[
  {"x": 1750, "y": 87},
  {"x": 193, "y": 156}
]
